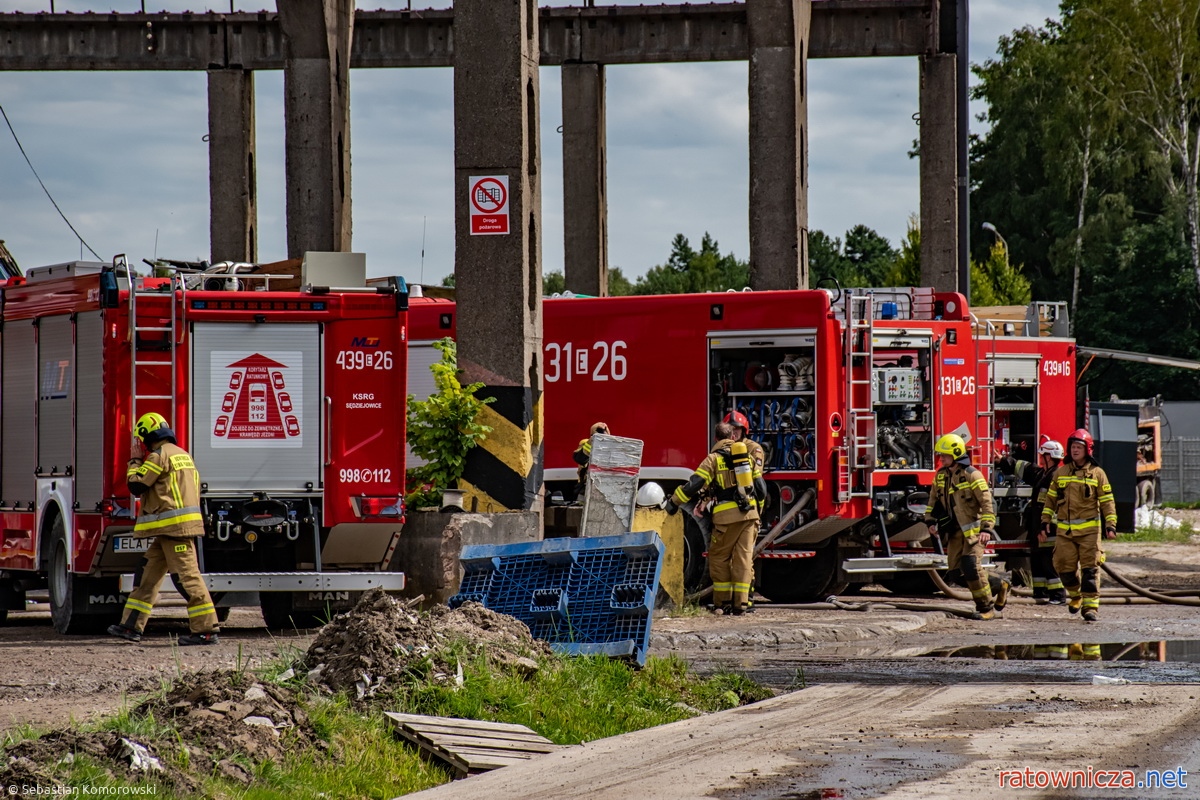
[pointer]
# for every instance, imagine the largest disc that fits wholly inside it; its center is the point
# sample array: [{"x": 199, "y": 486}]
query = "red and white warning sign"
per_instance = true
[
  {"x": 489, "y": 205},
  {"x": 255, "y": 399}
]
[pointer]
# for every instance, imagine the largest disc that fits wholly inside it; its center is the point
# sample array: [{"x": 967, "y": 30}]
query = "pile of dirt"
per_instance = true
[
  {"x": 383, "y": 642},
  {"x": 219, "y": 718}
]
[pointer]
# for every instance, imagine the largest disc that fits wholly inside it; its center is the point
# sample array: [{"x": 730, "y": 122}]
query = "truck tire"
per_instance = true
[
  {"x": 6, "y": 600},
  {"x": 800, "y": 580},
  {"x": 695, "y": 565},
  {"x": 67, "y": 590}
]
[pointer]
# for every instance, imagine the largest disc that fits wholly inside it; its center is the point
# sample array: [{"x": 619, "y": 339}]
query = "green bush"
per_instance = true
[{"x": 442, "y": 429}]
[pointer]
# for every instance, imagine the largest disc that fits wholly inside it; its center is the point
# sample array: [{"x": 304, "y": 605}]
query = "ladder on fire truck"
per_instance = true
[
  {"x": 985, "y": 396},
  {"x": 858, "y": 462},
  {"x": 158, "y": 350}
]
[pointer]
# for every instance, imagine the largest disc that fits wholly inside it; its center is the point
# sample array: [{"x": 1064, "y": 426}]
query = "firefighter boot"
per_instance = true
[
  {"x": 198, "y": 638},
  {"x": 984, "y": 614},
  {"x": 1057, "y": 597},
  {"x": 1002, "y": 595},
  {"x": 132, "y": 634}
]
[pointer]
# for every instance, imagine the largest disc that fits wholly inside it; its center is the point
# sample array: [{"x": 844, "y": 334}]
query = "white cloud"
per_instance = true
[{"x": 123, "y": 154}]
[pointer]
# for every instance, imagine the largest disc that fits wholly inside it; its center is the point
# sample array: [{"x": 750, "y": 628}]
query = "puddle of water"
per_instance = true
[{"x": 1185, "y": 651}]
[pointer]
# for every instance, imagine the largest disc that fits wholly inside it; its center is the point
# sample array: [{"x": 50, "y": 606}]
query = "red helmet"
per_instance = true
[
  {"x": 738, "y": 420},
  {"x": 1081, "y": 435}
]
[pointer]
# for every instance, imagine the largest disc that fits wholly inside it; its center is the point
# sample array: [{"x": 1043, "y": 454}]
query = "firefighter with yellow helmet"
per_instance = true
[
  {"x": 728, "y": 473},
  {"x": 162, "y": 475},
  {"x": 961, "y": 509},
  {"x": 583, "y": 457}
]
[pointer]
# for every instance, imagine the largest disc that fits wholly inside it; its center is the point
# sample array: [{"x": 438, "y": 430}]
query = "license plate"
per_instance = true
[{"x": 130, "y": 544}]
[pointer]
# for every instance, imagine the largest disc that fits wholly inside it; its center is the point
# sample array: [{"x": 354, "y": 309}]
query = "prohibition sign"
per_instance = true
[{"x": 489, "y": 195}]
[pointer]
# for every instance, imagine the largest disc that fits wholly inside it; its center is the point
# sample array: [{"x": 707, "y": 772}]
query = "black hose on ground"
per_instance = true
[{"x": 1148, "y": 593}]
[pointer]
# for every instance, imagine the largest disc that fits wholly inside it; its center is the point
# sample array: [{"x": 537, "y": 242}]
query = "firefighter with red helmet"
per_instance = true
[
  {"x": 162, "y": 475},
  {"x": 727, "y": 474},
  {"x": 741, "y": 433},
  {"x": 583, "y": 457},
  {"x": 1047, "y": 586},
  {"x": 1080, "y": 500},
  {"x": 961, "y": 510}
]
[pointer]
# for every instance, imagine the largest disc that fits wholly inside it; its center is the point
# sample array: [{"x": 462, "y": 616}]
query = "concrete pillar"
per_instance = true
[
  {"x": 316, "y": 107},
  {"x": 499, "y": 277},
  {"x": 778, "y": 33},
  {"x": 585, "y": 199},
  {"x": 939, "y": 173},
  {"x": 233, "y": 196}
]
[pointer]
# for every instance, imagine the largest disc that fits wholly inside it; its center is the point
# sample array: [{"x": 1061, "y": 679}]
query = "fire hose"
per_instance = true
[{"x": 1171, "y": 598}]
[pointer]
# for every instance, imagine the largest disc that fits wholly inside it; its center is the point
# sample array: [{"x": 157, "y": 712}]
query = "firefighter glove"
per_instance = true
[
  {"x": 1110, "y": 533},
  {"x": 668, "y": 505}
]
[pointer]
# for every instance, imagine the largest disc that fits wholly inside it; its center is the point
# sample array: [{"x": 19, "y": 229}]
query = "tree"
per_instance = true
[
  {"x": 1146, "y": 57},
  {"x": 906, "y": 268},
  {"x": 553, "y": 283},
  {"x": 869, "y": 254},
  {"x": 996, "y": 282},
  {"x": 688, "y": 270}
]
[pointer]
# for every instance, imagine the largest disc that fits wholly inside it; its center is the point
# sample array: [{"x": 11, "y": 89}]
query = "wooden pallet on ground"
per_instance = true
[{"x": 470, "y": 746}]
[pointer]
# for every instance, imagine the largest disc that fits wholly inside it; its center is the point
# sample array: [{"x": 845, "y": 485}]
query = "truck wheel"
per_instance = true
[
  {"x": 800, "y": 580},
  {"x": 695, "y": 565},
  {"x": 6, "y": 600},
  {"x": 67, "y": 590}
]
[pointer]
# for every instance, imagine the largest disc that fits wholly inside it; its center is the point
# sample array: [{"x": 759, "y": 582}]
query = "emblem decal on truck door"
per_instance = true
[{"x": 263, "y": 410}]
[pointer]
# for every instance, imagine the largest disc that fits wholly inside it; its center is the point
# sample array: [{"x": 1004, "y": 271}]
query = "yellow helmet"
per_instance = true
[
  {"x": 147, "y": 424},
  {"x": 951, "y": 445}
]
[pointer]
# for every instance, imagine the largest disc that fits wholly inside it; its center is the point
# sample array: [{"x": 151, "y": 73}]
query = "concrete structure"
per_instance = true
[
  {"x": 233, "y": 195},
  {"x": 778, "y": 35},
  {"x": 316, "y": 108},
  {"x": 499, "y": 277},
  {"x": 428, "y": 550},
  {"x": 585, "y": 183},
  {"x": 584, "y": 40}
]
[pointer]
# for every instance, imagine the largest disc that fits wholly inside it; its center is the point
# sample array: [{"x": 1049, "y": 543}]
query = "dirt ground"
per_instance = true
[{"x": 52, "y": 680}]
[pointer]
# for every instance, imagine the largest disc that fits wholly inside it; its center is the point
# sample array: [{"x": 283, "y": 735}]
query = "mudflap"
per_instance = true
[
  {"x": 96, "y": 603},
  {"x": 286, "y": 610}
]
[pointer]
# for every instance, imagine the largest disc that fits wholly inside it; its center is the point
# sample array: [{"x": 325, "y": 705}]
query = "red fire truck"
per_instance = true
[
  {"x": 846, "y": 392},
  {"x": 291, "y": 403},
  {"x": 1028, "y": 375}
]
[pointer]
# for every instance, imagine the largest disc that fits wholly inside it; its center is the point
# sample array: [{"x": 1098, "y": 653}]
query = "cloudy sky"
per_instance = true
[{"x": 123, "y": 154}]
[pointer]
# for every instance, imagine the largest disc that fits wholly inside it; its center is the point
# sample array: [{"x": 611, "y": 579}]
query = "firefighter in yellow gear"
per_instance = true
[
  {"x": 162, "y": 475},
  {"x": 727, "y": 474},
  {"x": 741, "y": 433},
  {"x": 1080, "y": 500},
  {"x": 583, "y": 457},
  {"x": 961, "y": 510}
]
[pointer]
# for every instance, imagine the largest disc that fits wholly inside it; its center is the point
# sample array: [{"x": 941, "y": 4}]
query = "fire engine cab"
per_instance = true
[
  {"x": 291, "y": 404},
  {"x": 846, "y": 392}
]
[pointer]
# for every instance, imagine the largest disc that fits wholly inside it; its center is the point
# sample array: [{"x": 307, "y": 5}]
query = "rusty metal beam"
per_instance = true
[{"x": 599, "y": 35}]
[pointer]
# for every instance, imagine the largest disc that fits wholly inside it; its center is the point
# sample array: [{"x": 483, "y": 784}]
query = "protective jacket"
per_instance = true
[
  {"x": 1078, "y": 497},
  {"x": 715, "y": 474},
  {"x": 961, "y": 494},
  {"x": 169, "y": 487}
]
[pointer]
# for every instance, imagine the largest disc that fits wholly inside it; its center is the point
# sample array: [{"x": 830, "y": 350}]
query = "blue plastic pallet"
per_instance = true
[{"x": 589, "y": 596}]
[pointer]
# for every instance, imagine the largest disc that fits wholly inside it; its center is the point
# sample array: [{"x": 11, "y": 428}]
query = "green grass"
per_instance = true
[
  {"x": 1181, "y": 535},
  {"x": 568, "y": 700},
  {"x": 1195, "y": 504}
]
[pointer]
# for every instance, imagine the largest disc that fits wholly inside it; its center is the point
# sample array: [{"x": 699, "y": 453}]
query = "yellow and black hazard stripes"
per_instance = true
[{"x": 504, "y": 473}]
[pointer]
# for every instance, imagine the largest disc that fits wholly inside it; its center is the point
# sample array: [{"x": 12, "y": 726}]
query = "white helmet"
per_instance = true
[
  {"x": 1052, "y": 448},
  {"x": 650, "y": 495}
]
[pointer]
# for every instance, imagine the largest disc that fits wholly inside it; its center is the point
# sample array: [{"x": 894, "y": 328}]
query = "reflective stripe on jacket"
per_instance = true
[
  {"x": 1078, "y": 497},
  {"x": 962, "y": 490},
  {"x": 171, "y": 501},
  {"x": 716, "y": 474}
]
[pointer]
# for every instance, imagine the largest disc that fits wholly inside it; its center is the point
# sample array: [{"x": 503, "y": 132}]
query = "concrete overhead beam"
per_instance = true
[{"x": 599, "y": 35}]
